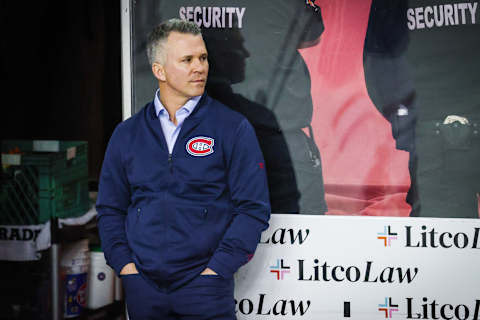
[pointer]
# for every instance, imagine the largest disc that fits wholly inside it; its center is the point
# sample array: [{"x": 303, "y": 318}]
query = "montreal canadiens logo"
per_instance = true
[{"x": 200, "y": 146}]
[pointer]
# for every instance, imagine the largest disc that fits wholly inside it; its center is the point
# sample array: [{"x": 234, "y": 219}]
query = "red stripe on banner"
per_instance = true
[{"x": 478, "y": 206}]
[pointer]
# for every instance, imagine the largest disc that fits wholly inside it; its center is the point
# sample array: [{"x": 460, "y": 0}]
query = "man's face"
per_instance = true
[{"x": 184, "y": 73}]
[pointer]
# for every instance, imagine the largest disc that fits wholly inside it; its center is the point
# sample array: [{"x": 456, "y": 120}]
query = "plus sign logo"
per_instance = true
[
  {"x": 388, "y": 307},
  {"x": 387, "y": 236},
  {"x": 280, "y": 269}
]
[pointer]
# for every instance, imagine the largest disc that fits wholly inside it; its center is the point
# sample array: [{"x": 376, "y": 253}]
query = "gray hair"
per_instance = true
[{"x": 159, "y": 35}]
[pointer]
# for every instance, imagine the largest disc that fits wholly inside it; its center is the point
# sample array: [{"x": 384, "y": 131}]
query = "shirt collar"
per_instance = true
[{"x": 189, "y": 106}]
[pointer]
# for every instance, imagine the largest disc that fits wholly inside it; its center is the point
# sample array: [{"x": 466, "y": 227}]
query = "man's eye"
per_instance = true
[{"x": 187, "y": 60}]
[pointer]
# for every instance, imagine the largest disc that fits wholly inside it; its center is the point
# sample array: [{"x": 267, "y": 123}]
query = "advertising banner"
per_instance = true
[
  {"x": 360, "y": 107},
  {"x": 362, "y": 268}
]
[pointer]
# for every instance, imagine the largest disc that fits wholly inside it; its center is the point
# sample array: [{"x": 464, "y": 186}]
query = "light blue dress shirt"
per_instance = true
[{"x": 170, "y": 130}]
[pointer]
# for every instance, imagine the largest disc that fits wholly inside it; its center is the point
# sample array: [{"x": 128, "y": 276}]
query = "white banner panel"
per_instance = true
[{"x": 330, "y": 267}]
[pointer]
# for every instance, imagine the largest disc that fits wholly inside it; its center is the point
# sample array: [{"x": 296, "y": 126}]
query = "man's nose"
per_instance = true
[{"x": 200, "y": 65}]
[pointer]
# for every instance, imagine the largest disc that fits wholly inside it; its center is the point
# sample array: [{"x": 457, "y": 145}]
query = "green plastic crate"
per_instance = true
[{"x": 43, "y": 179}]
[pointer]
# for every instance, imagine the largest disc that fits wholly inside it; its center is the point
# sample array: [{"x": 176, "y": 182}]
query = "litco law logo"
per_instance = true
[
  {"x": 387, "y": 236},
  {"x": 280, "y": 269},
  {"x": 388, "y": 307}
]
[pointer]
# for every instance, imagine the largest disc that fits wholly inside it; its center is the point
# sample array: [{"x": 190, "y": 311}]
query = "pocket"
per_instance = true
[
  {"x": 133, "y": 216},
  {"x": 195, "y": 232},
  {"x": 212, "y": 279},
  {"x": 145, "y": 230},
  {"x": 188, "y": 233},
  {"x": 212, "y": 276},
  {"x": 192, "y": 216},
  {"x": 129, "y": 275},
  {"x": 213, "y": 284},
  {"x": 148, "y": 216},
  {"x": 130, "y": 281}
]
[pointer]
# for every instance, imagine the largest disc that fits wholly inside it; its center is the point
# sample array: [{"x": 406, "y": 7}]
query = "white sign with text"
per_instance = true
[{"x": 331, "y": 267}]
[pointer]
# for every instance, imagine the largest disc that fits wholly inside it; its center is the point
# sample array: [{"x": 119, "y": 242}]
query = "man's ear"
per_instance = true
[{"x": 158, "y": 71}]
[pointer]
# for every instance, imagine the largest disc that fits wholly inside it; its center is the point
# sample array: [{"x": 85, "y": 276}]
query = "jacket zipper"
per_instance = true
[
  {"x": 170, "y": 162},
  {"x": 139, "y": 211}
]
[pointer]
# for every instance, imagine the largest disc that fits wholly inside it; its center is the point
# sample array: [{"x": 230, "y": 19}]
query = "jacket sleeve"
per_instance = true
[
  {"x": 112, "y": 205},
  {"x": 247, "y": 182}
]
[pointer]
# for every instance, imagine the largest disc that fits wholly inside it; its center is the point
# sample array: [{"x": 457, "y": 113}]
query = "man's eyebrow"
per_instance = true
[{"x": 191, "y": 55}]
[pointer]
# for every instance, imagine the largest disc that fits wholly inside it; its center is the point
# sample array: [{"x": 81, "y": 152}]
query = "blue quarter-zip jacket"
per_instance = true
[{"x": 175, "y": 214}]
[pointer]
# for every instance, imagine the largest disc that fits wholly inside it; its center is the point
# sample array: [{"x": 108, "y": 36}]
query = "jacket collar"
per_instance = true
[
  {"x": 189, "y": 124},
  {"x": 196, "y": 114}
]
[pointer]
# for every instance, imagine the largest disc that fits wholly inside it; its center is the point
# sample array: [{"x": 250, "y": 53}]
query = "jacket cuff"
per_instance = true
[
  {"x": 119, "y": 262},
  {"x": 218, "y": 263}
]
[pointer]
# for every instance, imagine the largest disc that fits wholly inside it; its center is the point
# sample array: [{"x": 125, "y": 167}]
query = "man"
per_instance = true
[{"x": 183, "y": 194}]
